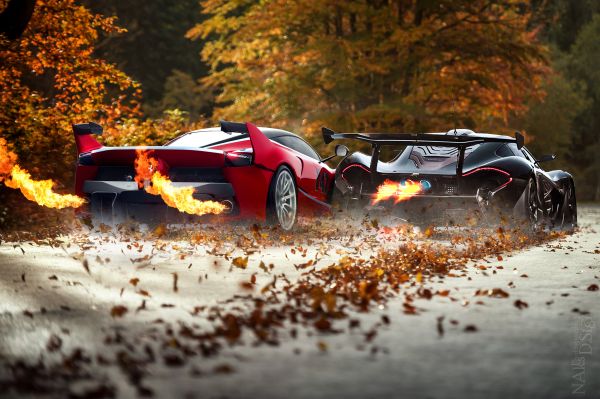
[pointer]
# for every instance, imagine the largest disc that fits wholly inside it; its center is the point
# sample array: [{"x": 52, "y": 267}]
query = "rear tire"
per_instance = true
[
  {"x": 533, "y": 211},
  {"x": 569, "y": 208},
  {"x": 282, "y": 201}
]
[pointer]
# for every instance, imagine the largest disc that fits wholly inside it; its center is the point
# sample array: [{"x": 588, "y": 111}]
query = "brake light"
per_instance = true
[{"x": 238, "y": 157}]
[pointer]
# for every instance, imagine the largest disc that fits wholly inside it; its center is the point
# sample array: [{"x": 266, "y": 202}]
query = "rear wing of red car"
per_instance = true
[
  {"x": 421, "y": 139},
  {"x": 84, "y": 136},
  {"x": 261, "y": 145}
]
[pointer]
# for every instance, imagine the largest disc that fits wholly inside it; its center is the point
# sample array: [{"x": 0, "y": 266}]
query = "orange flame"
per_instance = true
[
  {"x": 39, "y": 191},
  {"x": 154, "y": 182},
  {"x": 7, "y": 159},
  {"x": 399, "y": 191}
]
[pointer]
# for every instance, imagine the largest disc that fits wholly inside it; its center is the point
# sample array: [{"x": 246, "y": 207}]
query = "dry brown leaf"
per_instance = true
[
  {"x": 240, "y": 261},
  {"x": 118, "y": 311}
]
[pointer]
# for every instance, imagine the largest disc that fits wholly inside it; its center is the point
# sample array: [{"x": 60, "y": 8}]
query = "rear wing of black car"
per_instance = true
[
  {"x": 441, "y": 140},
  {"x": 422, "y": 139}
]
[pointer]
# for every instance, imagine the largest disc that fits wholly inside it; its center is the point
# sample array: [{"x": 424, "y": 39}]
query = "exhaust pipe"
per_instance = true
[{"x": 228, "y": 206}]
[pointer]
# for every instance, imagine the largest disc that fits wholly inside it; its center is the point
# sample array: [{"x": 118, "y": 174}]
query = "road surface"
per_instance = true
[{"x": 138, "y": 294}]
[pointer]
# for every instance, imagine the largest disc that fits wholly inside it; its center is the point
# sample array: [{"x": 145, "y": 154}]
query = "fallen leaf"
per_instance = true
[
  {"x": 521, "y": 304},
  {"x": 240, "y": 261},
  {"x": 118, "y": 311},
  {"x": 440, "y": 326},
  {"x": 54, "y": 343},
  {"x": 175, "y": 278},
  {"x": 160, "y": 231},
  {"x": 86, "y": 265}
]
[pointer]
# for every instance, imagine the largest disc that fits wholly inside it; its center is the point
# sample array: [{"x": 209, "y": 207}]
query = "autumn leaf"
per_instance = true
[
  {"x": 240, "y": 262},
  {"x": 521, "y": 304},
  {"x": 322, "y": 346},
  {"x": 118, "y": 311},
  {"x": 86, "y": 265},
  {"x": 175, "y": 279},
  {"x": 54, "y": 343},
  {"x": 470, "y": 328}
]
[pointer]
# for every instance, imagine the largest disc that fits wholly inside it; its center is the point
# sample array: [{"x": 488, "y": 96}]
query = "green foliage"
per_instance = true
[
  {"x": 181, "y": 91},
  {"x": 550, "y": 123},
  {"x": 584, "y": 66}
]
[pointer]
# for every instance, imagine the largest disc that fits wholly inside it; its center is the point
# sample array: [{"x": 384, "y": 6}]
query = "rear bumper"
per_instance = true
[
  {"x": 116, "y": 201},
  {"x": 130, "y": 188}
]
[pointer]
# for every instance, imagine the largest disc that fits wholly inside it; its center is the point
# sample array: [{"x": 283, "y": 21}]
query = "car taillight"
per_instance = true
[
  {"x": 505, "y": 179},
  {"x": 238, "y": 157}
]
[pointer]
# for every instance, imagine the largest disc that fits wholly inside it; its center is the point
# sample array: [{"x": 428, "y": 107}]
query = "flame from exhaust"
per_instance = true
[
  {"x": 154, "y": 182},
  {"x": 39, "y": 191},
  {"x": 7, "y": 159},
  {"x": 399, "y": 191}
]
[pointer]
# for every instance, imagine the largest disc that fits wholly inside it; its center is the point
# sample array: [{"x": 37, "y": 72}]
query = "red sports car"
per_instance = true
[{"x": 257, "y": 173}]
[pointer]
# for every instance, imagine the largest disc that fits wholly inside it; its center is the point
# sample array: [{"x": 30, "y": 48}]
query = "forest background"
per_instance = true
[{"x": 150, "y": 70}]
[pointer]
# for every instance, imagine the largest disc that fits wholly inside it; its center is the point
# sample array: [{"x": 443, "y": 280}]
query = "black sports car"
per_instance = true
[{"x": 459, "y": 176}]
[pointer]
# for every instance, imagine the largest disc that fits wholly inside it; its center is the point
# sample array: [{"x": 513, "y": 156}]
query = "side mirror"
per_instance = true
[
  {"x": 341, "y": 150},
  {"x": 546, "y": 158}
]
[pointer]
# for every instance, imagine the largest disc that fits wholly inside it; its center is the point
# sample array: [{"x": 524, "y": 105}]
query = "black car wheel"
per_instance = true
[
  {"x": 569, "y": 209},
  {"x": 533, "y": 210},
  {"x": 282, "y": 201}
]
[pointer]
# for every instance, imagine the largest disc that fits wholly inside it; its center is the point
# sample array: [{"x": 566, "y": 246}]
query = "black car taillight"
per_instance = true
[
  {"x": 238, "y": 157},
  {"x": 500, "y": 178}
]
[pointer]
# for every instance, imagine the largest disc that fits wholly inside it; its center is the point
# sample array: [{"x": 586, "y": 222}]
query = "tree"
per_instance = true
[
  {"x": 50, "y": 78},
  {"x": 550, "y": 123},
  {"x": 371, "y": 64},
  {"x": 583, "y": 66}
]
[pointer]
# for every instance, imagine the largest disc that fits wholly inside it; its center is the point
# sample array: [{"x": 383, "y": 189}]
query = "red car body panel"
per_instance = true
[{"x": 250, "y": 183}]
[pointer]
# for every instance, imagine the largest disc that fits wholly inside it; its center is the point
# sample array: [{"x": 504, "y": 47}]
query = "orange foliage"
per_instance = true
[
  {"x": 49, "y": 79},
  {"x": 7, "y": 159},
  {"x": 364, "y": 65}
]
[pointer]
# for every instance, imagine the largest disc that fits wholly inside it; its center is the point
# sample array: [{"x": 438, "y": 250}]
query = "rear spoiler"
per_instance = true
[
  {"x": 441, "y": 140},
  {"x": 261, "y": 145},
  {"x": 83, "y": 136}
]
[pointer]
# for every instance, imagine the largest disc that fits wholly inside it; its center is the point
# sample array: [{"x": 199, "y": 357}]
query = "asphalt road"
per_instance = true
[{"x": 549, "y": 349}]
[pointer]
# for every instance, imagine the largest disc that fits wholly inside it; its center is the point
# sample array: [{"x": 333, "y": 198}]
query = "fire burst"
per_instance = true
[
  {"x": 397, "y": 190},
  {"x": 154, "y": 182},
  {"x": 39, "y": 191}
]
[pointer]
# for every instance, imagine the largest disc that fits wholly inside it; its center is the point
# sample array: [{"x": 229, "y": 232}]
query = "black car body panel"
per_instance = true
[{"x": 463, "y": 173}]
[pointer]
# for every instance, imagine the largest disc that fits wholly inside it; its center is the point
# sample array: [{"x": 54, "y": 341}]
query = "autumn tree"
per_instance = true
[
  {"x": 50, "y": 78},
  {"x": 401, "y": 65}
]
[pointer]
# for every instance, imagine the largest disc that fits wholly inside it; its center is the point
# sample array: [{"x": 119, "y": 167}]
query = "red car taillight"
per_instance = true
[{"x": 238, "y": 157}]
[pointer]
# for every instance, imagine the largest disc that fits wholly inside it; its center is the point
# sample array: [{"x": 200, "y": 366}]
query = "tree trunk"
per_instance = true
[{"x": 15, "y": 17}]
